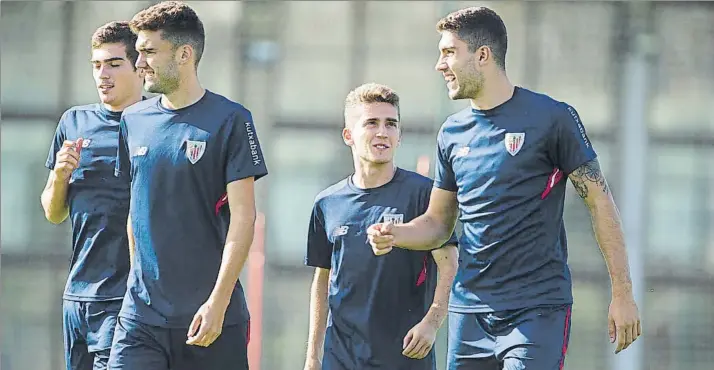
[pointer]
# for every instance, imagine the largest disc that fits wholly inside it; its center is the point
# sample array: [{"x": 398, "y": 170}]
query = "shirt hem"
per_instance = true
[
  {"x": 256, "y": 176},
  {"x": 78, "y": 298},
  {"x": 440, "y": 185},
  {"x": 505, "y": 306},
  {"x": 317, "y": 264},
  {"x": 170, "y": 324}
]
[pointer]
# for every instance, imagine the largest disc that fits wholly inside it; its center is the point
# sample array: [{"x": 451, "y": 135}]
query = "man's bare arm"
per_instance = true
[
  {"x": 132, "y": 241},
  {"x": 624, "y": 325},
  {"x": 241, "y": 201},
  {"x": 318, "y": 315},
  {"x": 434, "y": 227},
  {"x": 447, "y": 263},
  {"x": 590, "y": 184},
  {"x": 54, "y": 199}
]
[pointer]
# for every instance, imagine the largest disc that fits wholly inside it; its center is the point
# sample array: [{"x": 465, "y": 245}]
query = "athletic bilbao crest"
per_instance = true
[
  {"x": 195, "y": 150},
  {"x": 514, "y": 142}
]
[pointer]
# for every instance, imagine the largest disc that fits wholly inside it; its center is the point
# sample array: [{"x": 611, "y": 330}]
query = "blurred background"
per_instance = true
[{"x": 641, "y": 74}]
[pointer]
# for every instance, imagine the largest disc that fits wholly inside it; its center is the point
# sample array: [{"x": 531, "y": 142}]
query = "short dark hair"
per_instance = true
[
  {"x": 478, "y": 26},
  {"x": 178, "y": 22},
  {"x": 117, "y": 33},
  {"x": 371, "y": 93}
]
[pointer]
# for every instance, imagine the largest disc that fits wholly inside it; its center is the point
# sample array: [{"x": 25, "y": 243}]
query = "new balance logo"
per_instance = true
[
  {"x": 462, "y": 152},
  {"x": 340, "y": 230}
]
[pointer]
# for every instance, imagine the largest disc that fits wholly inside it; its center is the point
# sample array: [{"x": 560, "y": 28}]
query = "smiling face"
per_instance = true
[
  {"x": 159, "y": 60},
  {"x": 118, "y": 82},
  {"x": 460, "y": 68},
  {"x": 373, "y": 132}
]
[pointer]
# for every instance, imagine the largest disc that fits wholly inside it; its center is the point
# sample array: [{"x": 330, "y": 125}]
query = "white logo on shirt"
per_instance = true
[
  {"x": 140, "y": 151},
  {"x": 195, "y": 150},
  {"x": 462, "y": 152},
  {"x": 85, "y": 143},
  {"x": 574, "y": 114},
  {"x": 340, "y": 230},
  {"x": 514, "y": 142},
  {"x": 395, "y": 218},
  {"x": 253, "y": 143}
]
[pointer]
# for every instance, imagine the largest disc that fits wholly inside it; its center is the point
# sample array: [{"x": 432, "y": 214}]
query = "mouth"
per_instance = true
[
  {"x": 381, "y": 146},
  {"x": 449, "y": 78},
  {"x": 104, "y": 88}
]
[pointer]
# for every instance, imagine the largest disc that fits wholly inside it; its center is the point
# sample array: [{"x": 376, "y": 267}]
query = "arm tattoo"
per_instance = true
[{"x": 587, "y": 175}]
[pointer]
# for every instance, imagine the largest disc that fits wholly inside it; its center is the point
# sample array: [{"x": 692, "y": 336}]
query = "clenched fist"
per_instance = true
[
  {"x": 380, "y": 238},
  {"x": 67, "y": 159}
]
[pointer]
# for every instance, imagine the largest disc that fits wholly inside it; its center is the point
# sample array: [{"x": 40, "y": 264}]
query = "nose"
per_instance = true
[
  {"x": 440, "y": 65},
  {"x": 140, "y": 61},
  {"x": 103, "y": 72}
]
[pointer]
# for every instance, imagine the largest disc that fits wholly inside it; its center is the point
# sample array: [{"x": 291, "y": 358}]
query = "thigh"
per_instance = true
[
  {"x": 101, "y": 320},
  {"x": 76, "y": 353},
  {"x": 538, "y": 339},
  {"x": 228, "y": 352},
  {"x": 138, "y": 347},
  {"x": 470, "y": 345}
]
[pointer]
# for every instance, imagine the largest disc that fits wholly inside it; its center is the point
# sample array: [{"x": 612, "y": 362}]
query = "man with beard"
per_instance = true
[
  {"x": 188, "y": 153},
  {"x": 83, "y": 188},
  {"x": 501, "y": 163}
]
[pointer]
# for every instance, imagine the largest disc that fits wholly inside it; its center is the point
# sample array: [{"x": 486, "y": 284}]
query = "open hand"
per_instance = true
[
  {"x": 207, "y": 324},
  {"x": 419, "y": 340},
  {"x": 624, "y": 322}
]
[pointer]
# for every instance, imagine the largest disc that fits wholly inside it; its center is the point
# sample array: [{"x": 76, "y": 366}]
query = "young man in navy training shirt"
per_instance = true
[
  {"x": 503, "y": 162},
  {"x": 188, "y": 152},
  {"x": 384, "y": 311},
  {"x": 83, "y": 187}
]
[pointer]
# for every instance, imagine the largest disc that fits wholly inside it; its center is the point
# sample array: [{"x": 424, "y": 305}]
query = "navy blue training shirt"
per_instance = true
[
  {"x": 180, "y": 162},
  {"x": 98, "y": 205},
  {"x": 508, "y": 166},
  {"x": 373, "y": 300}
]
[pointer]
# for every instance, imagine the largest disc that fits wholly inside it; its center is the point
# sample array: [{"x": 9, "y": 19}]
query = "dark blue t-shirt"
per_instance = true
[
  {"x": 180, "y": 162},
  {"x": 98, "y": 205},
  {"x": 508, "y": 166},
  {"x": 373, "y": 300}
]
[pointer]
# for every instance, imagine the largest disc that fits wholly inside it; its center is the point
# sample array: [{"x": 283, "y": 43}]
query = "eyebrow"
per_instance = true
[
  {"x": 109, "y": 60},
  {"x": 377, "y": 119}
]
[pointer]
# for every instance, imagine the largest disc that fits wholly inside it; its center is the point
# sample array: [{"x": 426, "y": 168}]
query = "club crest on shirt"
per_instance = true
[
  {"x": 514, "y": 142},
  {"x": 395, "y": 218},
  {"x": 195, "y": 150}
]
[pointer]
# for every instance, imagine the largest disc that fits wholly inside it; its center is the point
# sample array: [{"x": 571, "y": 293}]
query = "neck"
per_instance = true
[
  {"x": 372, "y": 175},
  {"x": 121, "y": 106},
  {"x": 188, "y": 92},
  {"x": 497, "y": 90}
]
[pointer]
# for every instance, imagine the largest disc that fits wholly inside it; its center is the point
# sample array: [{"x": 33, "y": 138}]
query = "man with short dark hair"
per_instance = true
[
  {"x": 502, "y": 164},
  {"x": 83, "y": 188},
  {"x": 192, "y": 157}
]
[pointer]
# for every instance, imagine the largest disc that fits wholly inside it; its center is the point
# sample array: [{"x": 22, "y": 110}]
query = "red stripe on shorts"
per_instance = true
[{"x": 565, "y": 337}]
